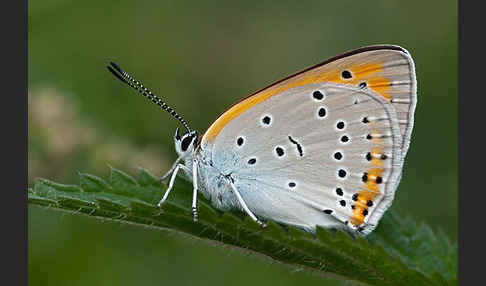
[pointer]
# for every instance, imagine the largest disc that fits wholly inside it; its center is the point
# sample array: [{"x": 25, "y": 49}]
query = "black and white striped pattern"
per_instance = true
[{"x": 126, "y": 78}]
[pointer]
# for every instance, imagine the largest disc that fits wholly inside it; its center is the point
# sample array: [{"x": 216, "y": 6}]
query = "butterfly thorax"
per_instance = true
[{"x": 212, "y": 178}]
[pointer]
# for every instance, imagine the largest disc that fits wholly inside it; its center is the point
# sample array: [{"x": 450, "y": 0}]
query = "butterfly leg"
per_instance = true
[
  {"x": 171, "y": 182},
  {"x": 172, "y": 169},
  {"x": 194, "y": 194},
  {"x": 245, "y": 207}
]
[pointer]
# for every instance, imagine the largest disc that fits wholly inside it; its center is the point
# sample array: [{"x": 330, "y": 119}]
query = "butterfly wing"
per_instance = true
[
  {"x": 318, "y": 154},
  {"x": 388, "y": 70},
  {"x": 294, "y": 163}
]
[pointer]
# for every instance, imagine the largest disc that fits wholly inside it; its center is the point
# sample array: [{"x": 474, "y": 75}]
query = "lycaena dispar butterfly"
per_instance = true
[{"x": 324, "y": 146}]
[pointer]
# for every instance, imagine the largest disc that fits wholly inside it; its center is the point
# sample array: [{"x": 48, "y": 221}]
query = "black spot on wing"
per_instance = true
[{"x": 299, "y": 147}]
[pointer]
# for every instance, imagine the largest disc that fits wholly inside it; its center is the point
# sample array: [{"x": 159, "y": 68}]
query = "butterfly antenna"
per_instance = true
[{"x": 126, "y": 78}]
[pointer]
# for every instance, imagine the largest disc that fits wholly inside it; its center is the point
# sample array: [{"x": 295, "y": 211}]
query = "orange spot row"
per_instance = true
[
  {"x": 366, "y": 195},
  {"x": 376, "y": 156}
]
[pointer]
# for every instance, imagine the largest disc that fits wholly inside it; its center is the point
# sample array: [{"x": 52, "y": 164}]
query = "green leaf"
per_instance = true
[
  {"x": 398, "y": 252},
  {"x": 90, "y": 183}
]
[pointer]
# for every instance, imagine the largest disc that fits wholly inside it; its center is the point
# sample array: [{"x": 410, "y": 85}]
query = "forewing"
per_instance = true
[{"x": 387, "y": 70}]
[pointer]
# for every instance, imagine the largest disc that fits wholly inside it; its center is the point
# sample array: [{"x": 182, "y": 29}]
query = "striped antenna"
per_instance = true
[{"x": 126, "y": 78}]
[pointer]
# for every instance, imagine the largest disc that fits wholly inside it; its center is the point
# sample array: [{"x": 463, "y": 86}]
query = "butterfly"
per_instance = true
[{"x": 322, "y": 147}]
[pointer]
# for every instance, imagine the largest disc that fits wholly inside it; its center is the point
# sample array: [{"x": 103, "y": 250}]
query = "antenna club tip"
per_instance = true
[{"x": 118, "y": 68}]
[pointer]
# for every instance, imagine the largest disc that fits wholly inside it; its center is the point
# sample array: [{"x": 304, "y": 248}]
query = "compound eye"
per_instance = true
[{"x": 186, "y": 142}]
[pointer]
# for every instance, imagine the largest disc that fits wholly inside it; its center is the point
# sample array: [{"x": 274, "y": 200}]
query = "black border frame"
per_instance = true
[
  {"x": 471, "y": 111},
  {"x": 14, "y": 140}
]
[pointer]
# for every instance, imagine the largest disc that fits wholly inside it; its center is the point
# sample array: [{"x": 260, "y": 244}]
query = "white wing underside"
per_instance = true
[{"x": 309, "y": 142}]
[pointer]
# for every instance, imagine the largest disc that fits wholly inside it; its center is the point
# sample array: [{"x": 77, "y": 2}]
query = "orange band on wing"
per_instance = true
[
  {"x": 360, "y": 208},
  {"x": 376, "y": 156},
  {"x": 360, "y": 73}
]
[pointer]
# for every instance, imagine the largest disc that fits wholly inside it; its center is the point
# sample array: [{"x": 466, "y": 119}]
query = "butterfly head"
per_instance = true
[{"x": 186, "y": 143}]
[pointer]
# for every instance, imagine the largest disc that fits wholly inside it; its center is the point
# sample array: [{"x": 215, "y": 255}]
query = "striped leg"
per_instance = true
[{"x": 194, "y": 194}]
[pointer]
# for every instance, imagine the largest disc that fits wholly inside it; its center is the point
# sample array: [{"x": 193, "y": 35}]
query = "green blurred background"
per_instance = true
[{"x": 202, "y": 56}]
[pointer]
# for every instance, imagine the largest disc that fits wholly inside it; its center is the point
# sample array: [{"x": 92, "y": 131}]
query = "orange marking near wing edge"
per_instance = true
[
  {"x": 376, "y": 152},
  {"x": 361, "y": 73},
  {"x": 365, "y": 73},
  {"x": 366, "y": 195}
]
